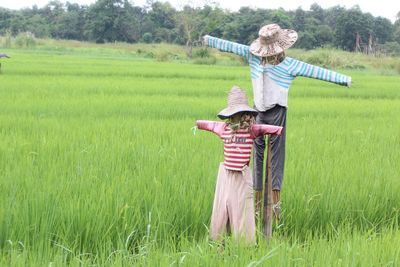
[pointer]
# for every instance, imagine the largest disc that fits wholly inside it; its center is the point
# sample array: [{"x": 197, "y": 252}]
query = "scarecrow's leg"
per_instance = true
[
  {"x": 258, "y": 202},
  {"x": 276, "y": 206},
  {"x": 268, "y": 194},
  {"x": 258, "y": 167}
]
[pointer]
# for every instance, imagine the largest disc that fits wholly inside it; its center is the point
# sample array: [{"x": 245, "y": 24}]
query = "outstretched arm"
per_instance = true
[
  {"x": 299, "y": 68},
  {"x": 263, "y": 129},
  {"x": 211, "y": 126},
  {"x": 227, "y": 46}
]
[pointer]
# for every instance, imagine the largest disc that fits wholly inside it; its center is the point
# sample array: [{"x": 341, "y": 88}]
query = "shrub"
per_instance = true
[
  {"x": 162, "y": 56},
  {"x": 201, "y": 53},
  {"x": 147, "y": 38},
  {"x": 25, "y": 39},
  {"x": 205, "y": 61},
  {"x": 391, "y": 48},
  {"x": 7, "y": 40}
]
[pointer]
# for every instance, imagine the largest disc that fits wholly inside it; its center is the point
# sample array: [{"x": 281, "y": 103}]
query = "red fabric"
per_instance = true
[{"x": 237, "y": 145}]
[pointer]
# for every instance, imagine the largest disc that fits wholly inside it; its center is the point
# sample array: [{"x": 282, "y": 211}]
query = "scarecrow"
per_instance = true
[
  {"x": 272, "y": 74},
  {"x": 2, "y": 55},
  {"x": 233, "y": 208}
]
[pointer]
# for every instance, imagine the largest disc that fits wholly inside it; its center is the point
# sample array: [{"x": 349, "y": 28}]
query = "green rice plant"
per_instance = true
[{"x": 99, "y": 164}]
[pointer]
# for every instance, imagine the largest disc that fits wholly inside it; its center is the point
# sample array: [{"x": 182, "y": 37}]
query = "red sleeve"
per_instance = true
[
  {"x": 263, "y": 129},
  {"x": 211, "y": 126}
]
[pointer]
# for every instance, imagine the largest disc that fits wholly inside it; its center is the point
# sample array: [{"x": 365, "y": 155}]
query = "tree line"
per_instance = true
[{"x": 120, "y": 20}]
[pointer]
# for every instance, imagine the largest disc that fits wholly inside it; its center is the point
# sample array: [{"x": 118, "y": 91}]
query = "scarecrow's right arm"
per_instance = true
[
  {"x": 211, "y": 126},
  {"x": 227, "y": 46}
]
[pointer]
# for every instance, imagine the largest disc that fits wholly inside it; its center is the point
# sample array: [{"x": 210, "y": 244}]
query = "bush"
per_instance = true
[
  {"x": 391, "y": 48},
  {"x": 162, "y": 56},
  {"x": 201, "y": 53},
  {"x": 398, "y": 67},
  {"x": 147, "y": 38},
  {"x": 25, "y": 39},
  {"x": 7, "y": 40},
  {"x": 205, "y": 61}
]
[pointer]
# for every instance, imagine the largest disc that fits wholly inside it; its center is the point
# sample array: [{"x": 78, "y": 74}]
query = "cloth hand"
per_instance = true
[
  {"x": 349, "y": 83},
  {"x": 205, "y": 40}
]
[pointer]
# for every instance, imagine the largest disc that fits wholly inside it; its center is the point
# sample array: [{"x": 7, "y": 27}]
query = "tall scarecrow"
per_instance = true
[{"x": 272, "y": 74}]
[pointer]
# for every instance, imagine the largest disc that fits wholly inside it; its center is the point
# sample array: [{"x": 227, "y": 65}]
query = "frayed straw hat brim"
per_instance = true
[
  {"x": 230, "y": 111},
  {"x": 285, "y": 39}
]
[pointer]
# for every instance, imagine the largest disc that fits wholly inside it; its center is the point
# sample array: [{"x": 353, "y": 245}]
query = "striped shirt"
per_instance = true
[
  {"x": 237, "y": 145},
  {"x": 271, "y": 83}
]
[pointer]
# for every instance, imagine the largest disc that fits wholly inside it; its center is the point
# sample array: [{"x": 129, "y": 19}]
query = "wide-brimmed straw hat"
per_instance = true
[
  {"x": 237, "y": 102},
  {"x": 272, "y": 40}
]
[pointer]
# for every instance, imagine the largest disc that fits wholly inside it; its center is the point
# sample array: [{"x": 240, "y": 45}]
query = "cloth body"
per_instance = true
[
  {"x": 275, "y": 116},
  {"x": 233, "y": 208},
  {"x": 237, "y": 145},
  {"x": 271, "y": 83}
]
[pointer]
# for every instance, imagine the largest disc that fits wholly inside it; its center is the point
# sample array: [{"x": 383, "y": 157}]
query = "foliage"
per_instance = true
[
  {"x": 202, "y": 53},
  {"x": 122, "y": 21},
  {"x": 392, "y": 48},
  {"x": 25, "y": 40},
  {"x": 147, "y": 37}
]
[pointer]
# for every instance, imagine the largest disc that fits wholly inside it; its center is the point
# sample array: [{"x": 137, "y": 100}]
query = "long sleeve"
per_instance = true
[
  {"x": 263, "y": 129},
  {"x": 299, "y": 68},
  {"x": 228, "y": 46},
  {"x": 211, "y": 126}
]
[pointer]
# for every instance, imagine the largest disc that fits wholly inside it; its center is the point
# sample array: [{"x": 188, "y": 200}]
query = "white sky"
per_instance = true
[{"x": 383, "y": 8}]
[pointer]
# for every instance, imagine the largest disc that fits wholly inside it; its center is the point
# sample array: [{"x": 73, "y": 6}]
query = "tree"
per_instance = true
[
  {"x": 383, "y": 30},
  {"x": 299, "y": 19},
  {"x": 213, "y": 20},
  {"x": 351, "y": 23},
  {"x": 245, "y": 24},
  {"x": 306, "y": 40},
  {"x": 190, "y": 23},
  {"x": 332, "y": 14},
  {"x": 38, "y": 26},
  {"x": 110, "y": 20},
  {"x": 162, "y": 16},
  {"x": 5, "y": 19},
  {"x": 317, "y": 12},
  {"x": 281, "y": 18},
  {"x": 323, "y": 35},
  {"x": 69, "y": 25}
]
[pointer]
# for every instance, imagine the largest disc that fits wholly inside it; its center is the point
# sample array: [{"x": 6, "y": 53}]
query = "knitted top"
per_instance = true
[
  {"x": 237, "y": 145},
  {"x": 271, "y": 83}
]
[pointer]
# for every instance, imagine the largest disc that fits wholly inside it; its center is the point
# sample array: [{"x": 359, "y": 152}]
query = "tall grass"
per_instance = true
[
  {"x": 98, "y": 165},
  {"x": 326, "y": 57}
]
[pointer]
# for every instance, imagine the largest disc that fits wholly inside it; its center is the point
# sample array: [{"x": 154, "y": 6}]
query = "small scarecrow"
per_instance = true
[
  {"x": 272, "y": 74},
  {"x": 233, "y": 208}
]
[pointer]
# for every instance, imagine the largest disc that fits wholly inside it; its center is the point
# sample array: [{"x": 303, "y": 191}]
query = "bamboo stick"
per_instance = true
[{"x": 268, "y": 194}]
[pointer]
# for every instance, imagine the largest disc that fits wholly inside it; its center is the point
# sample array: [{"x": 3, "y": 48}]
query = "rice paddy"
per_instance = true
[{"x": 99, "y": 165}]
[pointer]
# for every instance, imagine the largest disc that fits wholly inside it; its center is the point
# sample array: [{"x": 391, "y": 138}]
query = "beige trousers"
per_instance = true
[{"x": 233, "y": 208}]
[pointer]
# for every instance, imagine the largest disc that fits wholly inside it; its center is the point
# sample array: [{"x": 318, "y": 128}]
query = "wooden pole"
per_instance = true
[{"x": 268, "y": 194}]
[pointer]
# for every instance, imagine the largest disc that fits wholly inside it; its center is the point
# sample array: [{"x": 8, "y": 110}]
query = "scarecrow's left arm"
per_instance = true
[
  {"x": 227, "y": 46},
  {"x": 263, "y": 129},
  {"x": 299, "y": 68}
]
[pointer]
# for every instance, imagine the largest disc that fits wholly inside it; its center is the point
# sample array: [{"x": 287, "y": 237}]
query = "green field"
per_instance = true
[{"x": 99, "y": 165}]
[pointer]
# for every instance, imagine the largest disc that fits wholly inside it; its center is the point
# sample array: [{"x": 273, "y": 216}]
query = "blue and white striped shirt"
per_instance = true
[{"x": 271, "y": 83}]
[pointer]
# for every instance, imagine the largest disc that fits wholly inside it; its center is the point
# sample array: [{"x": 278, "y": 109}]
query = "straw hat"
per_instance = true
[
  {"x": 237, "y": 102},
  {"x": 272, "y": 40}
]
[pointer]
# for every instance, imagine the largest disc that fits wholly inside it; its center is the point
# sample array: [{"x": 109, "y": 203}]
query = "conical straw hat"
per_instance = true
[{"x": 237, "y": 102}]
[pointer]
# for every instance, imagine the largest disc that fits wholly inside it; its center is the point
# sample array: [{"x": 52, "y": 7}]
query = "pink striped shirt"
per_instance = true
[{"x": 237, "y": 145}]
